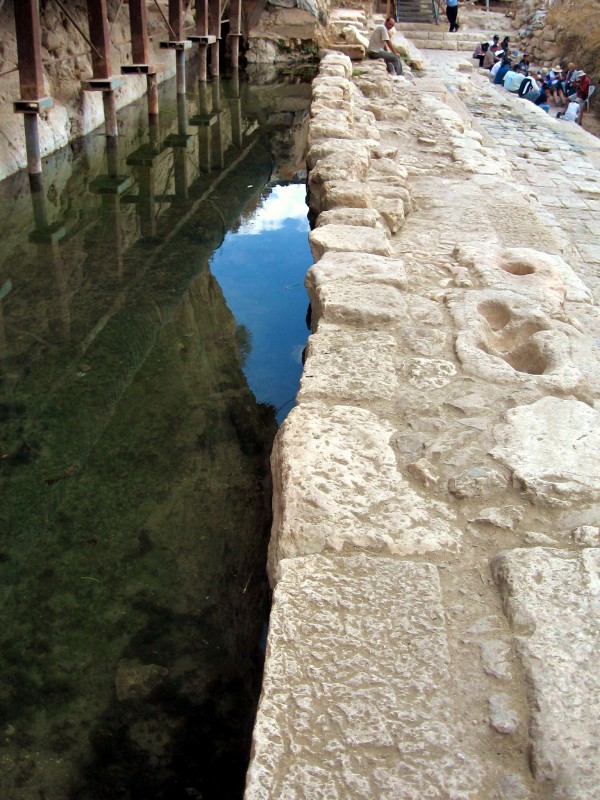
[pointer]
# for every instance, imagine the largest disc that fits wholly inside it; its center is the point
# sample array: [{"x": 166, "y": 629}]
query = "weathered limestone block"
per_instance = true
[
  {"x": 318, "y": 129},
  {"x": 349, "y": 216},
  {"x": 391, "y": 211},
  {"x": 354, "y": 268},
  {"x": 348, "y": 365},
  {"x": 552, "y": 600},
  {"x": 353, "y": 50},
  {"x": 337, "y": 485},
  {"x": 346, "y": 148},
  {"x": 329, "y": 108},
  {"x": 477, "y": 482},
  {"x": 335, "y": 723},
  {"x": 323, "y": 115},
  {"x": 509, "y": 337},
  {"x": 387, "y": 166},
  {"x": 339, "y": 194},
  {"x": 344, "y": 166},
  {"x": 323, "y": 83},
  {"x": 348, "y": 239},
  {"x": 392, "y": 188},
  {"x": 523, "y": 269},
  {"x": 553, "y": 448},
  {"x": 356, "y": 302}
]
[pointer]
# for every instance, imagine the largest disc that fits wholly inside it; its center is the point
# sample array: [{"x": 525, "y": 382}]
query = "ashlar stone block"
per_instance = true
[
  {"x": 348, "y": 238},
  {"x": 333, "y": 721},
  {"x": 337, "y": 486},
  {"x": 552, "y": 599}
]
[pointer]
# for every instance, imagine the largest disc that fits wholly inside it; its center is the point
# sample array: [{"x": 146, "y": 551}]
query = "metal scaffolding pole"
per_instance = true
[
  {"x": 31, "y": 79},
  {"x": 235, "y": 31},
  {"x": 215, "y": 30},
  {"x": 140, "y": 52},
  {"x": 102, "y": 79}
]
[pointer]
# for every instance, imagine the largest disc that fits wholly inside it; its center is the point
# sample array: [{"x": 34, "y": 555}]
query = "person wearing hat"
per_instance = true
[
  {"x": 572, "y": 113},
  {"x": 555, "y": 79}
]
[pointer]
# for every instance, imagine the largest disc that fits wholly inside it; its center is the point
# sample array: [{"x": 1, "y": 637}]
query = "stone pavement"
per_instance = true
[{"x": 435, "y": 551}]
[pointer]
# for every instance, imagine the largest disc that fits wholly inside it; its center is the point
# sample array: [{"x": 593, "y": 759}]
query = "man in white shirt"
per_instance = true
[
  {"x": 513, "y": 79},
  {"x": 380, "y": 46}
]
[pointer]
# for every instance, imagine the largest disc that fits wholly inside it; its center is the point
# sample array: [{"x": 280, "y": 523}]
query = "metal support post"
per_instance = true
[
  {"x": 176, "y": 20},
  {"x": 235, "y": 31},
  {"x": 32, "y": 144},
  {"x": 110, "y": 114},
  {"x": 100, "y": 38},
  {"x": 31, "y": 78},
  {"x": 29, "y": 49},
  {"x": 180, "y": 71},
  {"x": 215, "y": 30}
]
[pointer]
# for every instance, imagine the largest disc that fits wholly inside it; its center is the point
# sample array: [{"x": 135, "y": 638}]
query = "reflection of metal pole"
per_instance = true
[
  {"x": 235, "y": 105},
  {"x": 180, "y": 153},
  {"x": 217, "y": 128},
  {"x": 32, "y": 143},
  {"x": 38, "y": 202},
  {"x": 46, "y": 238}
]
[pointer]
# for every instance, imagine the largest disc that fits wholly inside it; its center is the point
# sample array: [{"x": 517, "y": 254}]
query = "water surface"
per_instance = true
[{"x": 151, "y": 326}]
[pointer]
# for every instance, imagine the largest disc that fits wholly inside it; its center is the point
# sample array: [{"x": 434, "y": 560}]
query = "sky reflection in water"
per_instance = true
[{"x": 262, "y": 278}]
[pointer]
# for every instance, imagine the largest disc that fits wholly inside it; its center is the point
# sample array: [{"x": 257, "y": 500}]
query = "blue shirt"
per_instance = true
[
  {"x": 501, "y": 73},
  {"x": 451, "y": 3}
]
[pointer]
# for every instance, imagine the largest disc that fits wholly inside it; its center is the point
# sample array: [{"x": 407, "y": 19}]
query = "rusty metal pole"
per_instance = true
[
  {"x": 235, "y": 31},
  {"x": 99, "y": 37},
  {"x": 203, "y": 31},
  {"x": 140, "y": 52},
  {"x": 100, "y": 54},
  {"x": 176, "y": 35},
  {"x": 31, "y": 77},
  {"x": 215, "y": 30}
]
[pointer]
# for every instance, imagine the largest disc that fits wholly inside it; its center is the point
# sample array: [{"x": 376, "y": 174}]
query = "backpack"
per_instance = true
[{"x": 526, "y": 86}]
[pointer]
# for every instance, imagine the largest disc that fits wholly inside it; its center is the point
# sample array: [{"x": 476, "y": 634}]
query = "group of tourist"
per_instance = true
[{"x": 568, "y": 88}]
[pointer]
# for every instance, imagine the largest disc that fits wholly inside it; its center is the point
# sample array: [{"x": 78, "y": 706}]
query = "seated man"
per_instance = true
[
  {"x": 502, "y": 70},
  {"x": 513, "y": 80},
  {"x": 379, "y": 45},
  {"x": 573, "y": 112},
  {"x": 489, "y": 59}
]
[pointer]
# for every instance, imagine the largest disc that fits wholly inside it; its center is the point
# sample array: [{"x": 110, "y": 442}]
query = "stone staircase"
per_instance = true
[
  {"x": 420, "y": 11},
  {"x": 430, "y": 37}
]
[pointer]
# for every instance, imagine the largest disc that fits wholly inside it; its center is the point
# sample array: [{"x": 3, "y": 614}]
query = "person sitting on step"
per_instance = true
[{"x": 380, "y": 46}]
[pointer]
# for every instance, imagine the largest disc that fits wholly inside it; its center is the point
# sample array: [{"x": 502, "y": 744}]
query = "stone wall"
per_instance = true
[
  {"x": 65, "y": 54},
  {"x": 435, "y": 550}
]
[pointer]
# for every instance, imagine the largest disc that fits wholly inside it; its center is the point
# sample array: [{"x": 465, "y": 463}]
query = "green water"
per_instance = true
[{"x": 138, "y": 402}]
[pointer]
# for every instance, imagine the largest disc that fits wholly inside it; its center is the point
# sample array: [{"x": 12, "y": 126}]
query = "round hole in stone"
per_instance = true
[
  {"x": 528, "y": 359},
  {"x": 497, "y": 315},
  {"x": 518, "y": 268}
]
